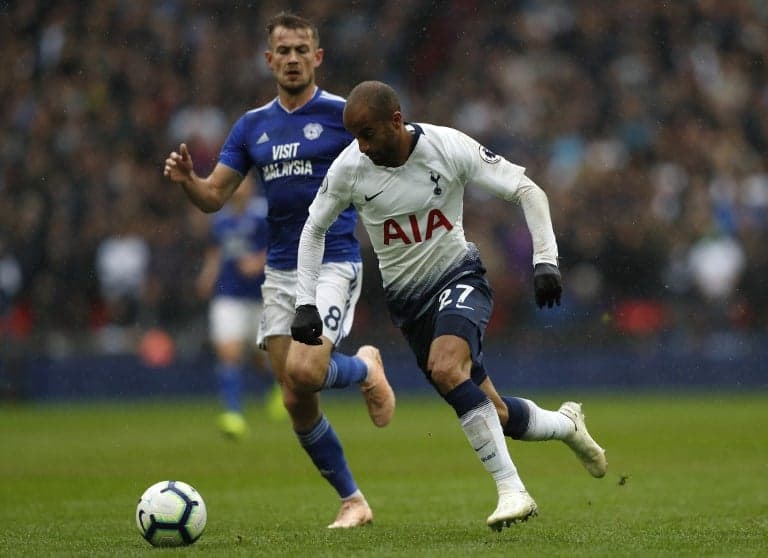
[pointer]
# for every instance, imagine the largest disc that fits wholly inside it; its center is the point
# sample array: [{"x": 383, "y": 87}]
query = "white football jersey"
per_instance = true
[{"x": 413, "y": 213}]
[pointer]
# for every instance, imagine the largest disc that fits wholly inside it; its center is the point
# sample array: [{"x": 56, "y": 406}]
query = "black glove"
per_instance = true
[
  {"x": 547, "y": 285},
  {"x": 307, "y": 325}
]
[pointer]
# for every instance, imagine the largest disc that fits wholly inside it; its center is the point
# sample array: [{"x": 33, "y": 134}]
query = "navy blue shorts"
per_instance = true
[{"x": 463, "y": 308}]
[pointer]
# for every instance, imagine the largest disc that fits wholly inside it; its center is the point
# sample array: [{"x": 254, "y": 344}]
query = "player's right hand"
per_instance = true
[
  {"x": 307, "y": 325},
  {"x": 178, "y": 166},
  {"x": 547, "y": 285}
]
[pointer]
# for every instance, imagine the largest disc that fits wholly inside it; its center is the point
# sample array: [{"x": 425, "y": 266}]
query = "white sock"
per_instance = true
[
  {"x": 546, "y": 425},
  {"x": 355, "y": 494},
  {"x": 483, "y": 430}
]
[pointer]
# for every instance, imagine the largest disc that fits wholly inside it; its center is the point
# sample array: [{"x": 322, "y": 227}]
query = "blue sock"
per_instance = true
[
  {"x": 324, "y": 448},
  {"x": 519, "y": 415},
  {"x": 465, "y": 397},
  {"x": 230, "y": 381},
  {"x": 344, "y": 370}
]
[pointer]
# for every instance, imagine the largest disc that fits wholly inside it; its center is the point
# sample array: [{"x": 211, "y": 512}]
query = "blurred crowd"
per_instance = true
[{"x": 645, "y": 122}]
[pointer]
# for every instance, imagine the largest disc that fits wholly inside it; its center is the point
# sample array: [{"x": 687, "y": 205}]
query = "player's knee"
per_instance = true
[
  {"x": 447, "y": 376},
  {"x": 449, "y": 366},
  {"x": 302, "y": 379},
  {"x": 304, "y": 375}
]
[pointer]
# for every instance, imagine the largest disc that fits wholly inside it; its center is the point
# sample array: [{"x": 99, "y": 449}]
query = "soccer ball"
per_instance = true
[{"x": 171, "y": 513}]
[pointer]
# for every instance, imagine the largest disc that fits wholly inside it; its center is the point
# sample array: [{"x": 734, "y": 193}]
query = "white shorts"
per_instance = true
[
  {"x": 234, "y": 319},
  {"x": 338, "y": 290}
]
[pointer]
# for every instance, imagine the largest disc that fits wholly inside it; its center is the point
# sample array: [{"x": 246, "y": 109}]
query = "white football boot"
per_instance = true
[
  {"x": 582, "y": 444},
  {"x": 513, "y": 506}
]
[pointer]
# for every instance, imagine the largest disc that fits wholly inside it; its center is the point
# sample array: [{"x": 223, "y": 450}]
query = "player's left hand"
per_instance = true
[
  {"x": 307, "y": 325},
  {"x": 547, "y": 284}
]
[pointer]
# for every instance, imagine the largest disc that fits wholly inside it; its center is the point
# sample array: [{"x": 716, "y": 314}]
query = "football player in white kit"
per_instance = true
[{"x": 407, "y": 182}]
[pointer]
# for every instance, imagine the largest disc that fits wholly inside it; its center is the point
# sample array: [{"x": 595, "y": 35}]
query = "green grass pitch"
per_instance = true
[{"x": 688, "y": 476}]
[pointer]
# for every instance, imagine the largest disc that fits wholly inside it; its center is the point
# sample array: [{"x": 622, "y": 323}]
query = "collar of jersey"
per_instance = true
[{"x": 312, "y": 98}]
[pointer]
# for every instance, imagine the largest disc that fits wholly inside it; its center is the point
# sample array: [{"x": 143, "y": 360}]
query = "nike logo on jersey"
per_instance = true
[{"x": 369, "y": 198}]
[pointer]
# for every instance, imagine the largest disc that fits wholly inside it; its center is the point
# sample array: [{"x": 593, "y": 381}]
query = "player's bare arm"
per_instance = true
[
  {"x": 251, "y": 265},
  {"x": 210, "y": 193},
  {"x": 206, "y": 279}
]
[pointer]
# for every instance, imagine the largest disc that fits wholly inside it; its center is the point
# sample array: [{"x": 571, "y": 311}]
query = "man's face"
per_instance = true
[
  {"x": 376, "y": 138},
  {"x": 293, "y": 58}
]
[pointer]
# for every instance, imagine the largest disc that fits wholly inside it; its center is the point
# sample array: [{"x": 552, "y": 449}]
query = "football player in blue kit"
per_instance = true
[
  {"x": 290, "y": 142},
  {"x": 231, "y": 277},
  {"x": 407, "y": 182}
]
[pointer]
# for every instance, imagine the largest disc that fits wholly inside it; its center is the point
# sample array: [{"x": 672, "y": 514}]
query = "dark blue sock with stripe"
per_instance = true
[
  {"x": 344, "y": 370},
  {"x": 465, "y": 397},
  {"x": 519, "y": 417},
  {"x": 230, "y": 381},
  {"x": 324, "y": 448}
]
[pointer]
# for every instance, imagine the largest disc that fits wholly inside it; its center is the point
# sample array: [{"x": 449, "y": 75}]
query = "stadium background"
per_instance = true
[{"x": 645, "y": 122}]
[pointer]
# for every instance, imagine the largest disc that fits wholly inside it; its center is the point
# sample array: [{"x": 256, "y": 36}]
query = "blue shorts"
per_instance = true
[{"x": 463, "y": 308}]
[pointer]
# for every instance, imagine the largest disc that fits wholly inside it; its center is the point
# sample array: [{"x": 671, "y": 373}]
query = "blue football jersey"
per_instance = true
[
  {"x": 292, "y": 152},
  {"x": 238, "y": 234}
]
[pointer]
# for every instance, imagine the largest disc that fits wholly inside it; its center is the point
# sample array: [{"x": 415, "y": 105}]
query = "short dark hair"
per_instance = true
[
  {"x": 377, "y": 96},
  {"x": 293, "y": 21}
]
